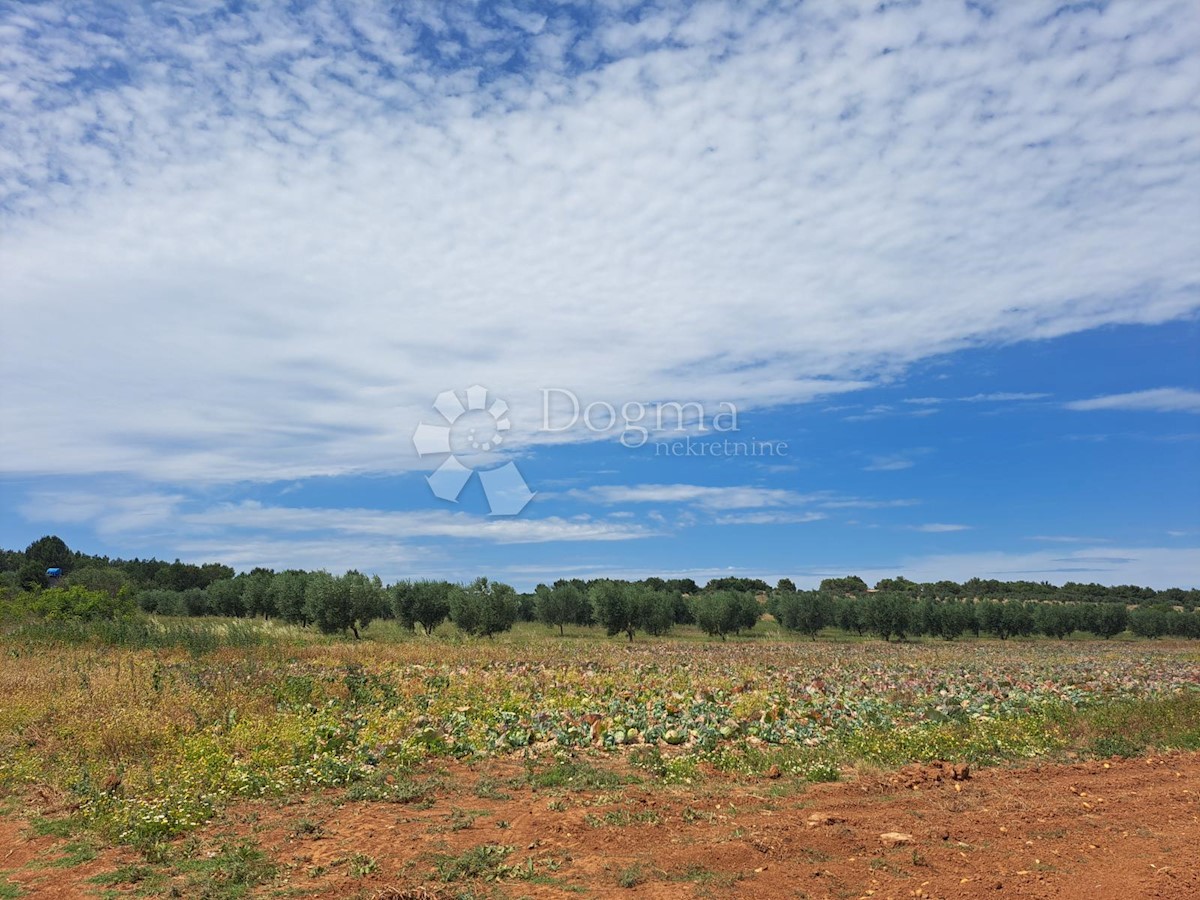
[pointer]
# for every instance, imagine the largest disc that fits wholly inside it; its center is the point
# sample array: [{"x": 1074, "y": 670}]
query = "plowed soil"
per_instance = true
[{"x": 1119, "y": 829}]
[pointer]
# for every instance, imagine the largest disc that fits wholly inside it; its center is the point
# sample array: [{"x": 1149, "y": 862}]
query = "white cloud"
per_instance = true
[
  {"x": 133, "y": 516},
  {"x": 729, "y": 497},
  {"x": 1157, "y": 400},
  {"x": 770, "y": 518},
  {"x": 1065, "y": 539},
  {"x": 994, "y": 397},
  {"x": 939, "y": 528},
  {"x": 862, "y": 503},
  {"x": 888, "y": 464},
  {"x": 1002, "y": 397},
  {"x": 254, "y": 246}
]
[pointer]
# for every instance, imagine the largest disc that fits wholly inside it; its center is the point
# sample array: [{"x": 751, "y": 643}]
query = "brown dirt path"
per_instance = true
[{"x": 1100, "y": 830}]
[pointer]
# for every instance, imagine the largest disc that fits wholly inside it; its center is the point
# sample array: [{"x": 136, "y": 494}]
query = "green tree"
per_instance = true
[
  {"x": 850, "y": 585},
  {"x": 653, "y": 610},
  {"x": 888, "y": 614},
  {"x": 256, "y": 593},
  {"x": 1110, "y": 620},
  {"x": 225, "y": 597},
  {"x": 806, "y": 612},
  {"x": 195, "y": 601},
  {"x": 99, "y": 578},
  {"x": 848, "y": 615},
  {"x": 1150, "y": 621},
  {"x": 899, "y": 585},
  {"x": 1056, "y": 620},
  {"x": 347, "y": 603},
  {"x": 287, "y": 593},
  {"x": 786, "y": 586},
  {"x": 719, "y": 613},
  {"x": 950, "y": 619},
  {"x": 740, "y": 585},
  {"x": 162, "y": 602},
  {"x": 563, "y": 604},
  {"x": 423, "y": 603},
  {"x": 484, "y": 608},
  {"x": 613, "y": 607},
  {"x": 50, "y": 552},
  {"x": 992, "y": 619}
]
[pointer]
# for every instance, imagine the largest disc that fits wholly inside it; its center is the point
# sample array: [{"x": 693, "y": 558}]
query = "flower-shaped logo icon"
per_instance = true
[{"x": 471, "y": 429}]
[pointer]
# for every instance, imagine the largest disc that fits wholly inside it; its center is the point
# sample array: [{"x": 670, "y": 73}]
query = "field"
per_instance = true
[{"x": 221, "y": 759}]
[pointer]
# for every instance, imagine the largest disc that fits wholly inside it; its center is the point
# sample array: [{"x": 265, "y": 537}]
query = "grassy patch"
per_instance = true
[
  {"x": 379, "y": 790},
  {"x": 490, "y": 789},
  {"x": 483, "y": 863},
  {"x": 8, "y": 890},
  {"x": 574, "y": 775},
  {"x": 74, "y": 854},
  {"x": 622, "y": 817},
  {"x": 231, "y": 873},
  {"x": 1126, "y": 728},
  {"x": 631, "y": 876},
  {"x": 62, "y": 828},
  {"x": 140, "y": 875}
]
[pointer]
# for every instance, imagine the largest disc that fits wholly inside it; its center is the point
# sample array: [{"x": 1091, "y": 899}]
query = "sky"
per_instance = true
[{"x": 765, "y": 289}]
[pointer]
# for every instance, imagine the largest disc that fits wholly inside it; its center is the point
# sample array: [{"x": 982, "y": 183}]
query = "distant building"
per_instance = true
[{"x": 54, "y": 575}]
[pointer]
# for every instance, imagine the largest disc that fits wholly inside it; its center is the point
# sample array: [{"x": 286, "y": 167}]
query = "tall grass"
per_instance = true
[{"x": 196, "y": 636}]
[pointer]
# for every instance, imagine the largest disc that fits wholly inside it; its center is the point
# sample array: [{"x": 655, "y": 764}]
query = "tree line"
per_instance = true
[{"x": 93, "y": 586}]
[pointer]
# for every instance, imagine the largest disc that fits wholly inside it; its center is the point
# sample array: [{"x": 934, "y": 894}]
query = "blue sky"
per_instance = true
[{"x": 949, "y": 254}]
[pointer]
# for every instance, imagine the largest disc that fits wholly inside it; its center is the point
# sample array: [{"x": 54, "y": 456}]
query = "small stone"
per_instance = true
[
  {"x": 818, "y": 819},
  {"x": 895, "y": 839}
]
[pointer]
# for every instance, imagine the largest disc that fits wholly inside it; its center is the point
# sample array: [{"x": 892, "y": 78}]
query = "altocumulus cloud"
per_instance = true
[{"x": 260, "y": 240}]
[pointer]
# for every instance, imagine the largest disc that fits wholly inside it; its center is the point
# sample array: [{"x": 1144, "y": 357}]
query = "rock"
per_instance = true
[
  {"x": 895, "y": 839},
  {"x": 774, "y": 772},
  {"x": 817, "y": 819}
]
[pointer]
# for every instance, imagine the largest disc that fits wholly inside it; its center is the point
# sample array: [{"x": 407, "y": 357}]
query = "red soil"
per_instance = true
[{"x": 1125, "y": 828}]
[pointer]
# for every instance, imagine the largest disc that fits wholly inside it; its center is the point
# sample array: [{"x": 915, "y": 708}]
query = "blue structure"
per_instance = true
[{"x": 53, "y": 574}]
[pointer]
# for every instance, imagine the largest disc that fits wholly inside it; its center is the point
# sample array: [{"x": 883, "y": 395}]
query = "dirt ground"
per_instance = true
[{"x": 1119, "y": 829}]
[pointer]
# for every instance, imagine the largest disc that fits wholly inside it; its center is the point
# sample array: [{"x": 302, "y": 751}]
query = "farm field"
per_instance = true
[{"x": 265, "y": 761}]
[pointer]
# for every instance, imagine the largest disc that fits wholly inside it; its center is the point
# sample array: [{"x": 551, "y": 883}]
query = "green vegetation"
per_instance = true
[
  {"x": 151, "y": 725},
  {"x": 124, "y": 592},
  {"x": 151, "y": 742}
]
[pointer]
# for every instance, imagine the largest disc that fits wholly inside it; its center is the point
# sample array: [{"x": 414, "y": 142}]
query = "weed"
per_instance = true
[
  {"x": 485, "y": 862},
  {"x": 230, "y": 873},
  {"x": 631, "y": 876},
  {"x": 574, "y": 776},
  {"x": 75, "y": 853},
  {"x": 489, "y": 789},
  {"x": 362, "y": 865},
  {"x": 307, "y": 828}
]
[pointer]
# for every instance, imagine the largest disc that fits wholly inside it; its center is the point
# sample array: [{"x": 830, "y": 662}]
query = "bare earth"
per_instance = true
[{"x": 1120, "y": 829}]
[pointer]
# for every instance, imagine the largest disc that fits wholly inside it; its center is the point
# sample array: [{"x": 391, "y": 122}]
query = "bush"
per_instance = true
[{"x": 79, "y": 603}]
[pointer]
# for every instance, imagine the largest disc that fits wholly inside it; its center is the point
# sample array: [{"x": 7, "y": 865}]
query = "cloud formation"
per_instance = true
[
  {"x": 259, "y": 242},
  {"x": 1157, "y": 400}
]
